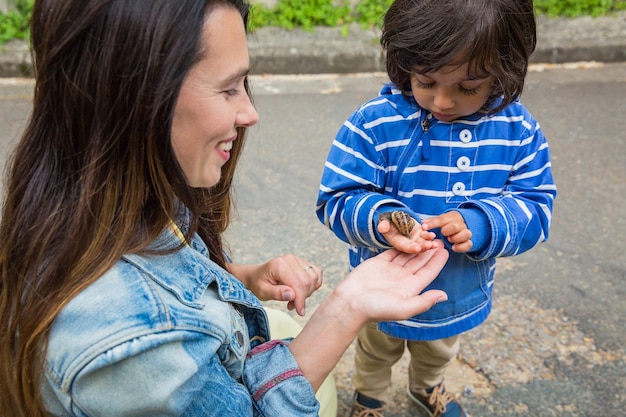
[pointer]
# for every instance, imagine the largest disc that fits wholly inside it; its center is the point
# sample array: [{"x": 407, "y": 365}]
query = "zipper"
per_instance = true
[{"x": 426, "y": 122}]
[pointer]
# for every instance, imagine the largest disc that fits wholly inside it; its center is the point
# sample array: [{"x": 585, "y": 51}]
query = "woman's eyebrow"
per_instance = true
[{"x": 242, "y": 73}]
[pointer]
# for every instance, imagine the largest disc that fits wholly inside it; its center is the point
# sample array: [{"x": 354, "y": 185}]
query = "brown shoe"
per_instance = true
[
  {"x": 360, "y": 410},
  {"x": 437, "y": 402}
]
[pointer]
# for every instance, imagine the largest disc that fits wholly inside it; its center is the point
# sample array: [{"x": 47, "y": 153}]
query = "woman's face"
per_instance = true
[{"x": 213, "y": 102}]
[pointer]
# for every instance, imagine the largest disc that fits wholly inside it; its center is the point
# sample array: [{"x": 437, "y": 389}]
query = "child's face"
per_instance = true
[{"x": 450, "y": 93}]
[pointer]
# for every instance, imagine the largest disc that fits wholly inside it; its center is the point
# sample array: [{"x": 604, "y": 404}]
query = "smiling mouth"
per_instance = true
[{"x": 226, "y": 146}]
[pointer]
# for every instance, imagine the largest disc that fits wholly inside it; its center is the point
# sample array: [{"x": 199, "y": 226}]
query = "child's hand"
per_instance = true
[
  {"x": 418, "y": 240},
  {"x": 453, "y": 227}
]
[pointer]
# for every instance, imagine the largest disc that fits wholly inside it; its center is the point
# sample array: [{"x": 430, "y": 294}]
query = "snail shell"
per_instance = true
[{"x": 403, "y": 222}]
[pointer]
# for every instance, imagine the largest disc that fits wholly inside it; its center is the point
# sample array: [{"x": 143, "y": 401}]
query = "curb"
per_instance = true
[{"x": 353, "y": 49}]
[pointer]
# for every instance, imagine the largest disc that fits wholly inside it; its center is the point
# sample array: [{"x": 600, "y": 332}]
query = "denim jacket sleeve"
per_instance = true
[
  {"x": 181, "y": 375},
  {"x": 276, "y": 382},
  {"x": 274, "y": 385},
  {"x": 170, "y": 335}
]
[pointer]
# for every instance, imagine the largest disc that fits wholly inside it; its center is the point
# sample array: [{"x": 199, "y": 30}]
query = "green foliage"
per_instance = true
[
  {"x": 14, "y": 24},
  {"x": 575, "y": 8},
  {"x": 305, "y": 14},
  {"x": 369, "y": 13}
]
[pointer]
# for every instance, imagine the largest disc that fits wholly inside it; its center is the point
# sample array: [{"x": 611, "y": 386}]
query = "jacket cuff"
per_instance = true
[{"x": 275, "y": 380}]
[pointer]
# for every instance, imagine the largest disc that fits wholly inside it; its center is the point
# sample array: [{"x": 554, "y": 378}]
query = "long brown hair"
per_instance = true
[
  {"x": 495, "y": 36},
  {"x": 94, "y": 175}
]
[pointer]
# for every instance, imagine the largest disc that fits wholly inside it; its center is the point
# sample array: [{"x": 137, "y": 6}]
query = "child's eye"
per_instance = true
[
  {"x": 424, "y": 85},
  {"x": 469, "y": 91}
]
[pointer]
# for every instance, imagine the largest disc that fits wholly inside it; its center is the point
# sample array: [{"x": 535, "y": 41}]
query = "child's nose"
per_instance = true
[{"x": 443, "y": 99}]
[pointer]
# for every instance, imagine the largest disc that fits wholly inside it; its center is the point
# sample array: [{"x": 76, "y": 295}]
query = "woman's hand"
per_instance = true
[
  {"x": 285, "y": 278},
  {"x": 389, "y": 286}
]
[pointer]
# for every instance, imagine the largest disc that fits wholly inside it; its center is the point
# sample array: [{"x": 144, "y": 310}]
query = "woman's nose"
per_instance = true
[{"x": 248, "y": 116}]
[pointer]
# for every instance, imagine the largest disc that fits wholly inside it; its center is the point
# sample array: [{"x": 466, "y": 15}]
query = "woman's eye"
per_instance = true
[
  {"x": 236, "y": 89},
  {"x": 232, "y": 92}
]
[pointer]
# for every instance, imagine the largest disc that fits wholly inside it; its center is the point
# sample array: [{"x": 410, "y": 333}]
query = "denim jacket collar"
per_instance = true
[{"x": 190, "y": 283}]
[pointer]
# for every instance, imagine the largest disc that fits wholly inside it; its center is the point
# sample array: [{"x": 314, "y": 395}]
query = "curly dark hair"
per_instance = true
[{"x": 495, "y": 37}]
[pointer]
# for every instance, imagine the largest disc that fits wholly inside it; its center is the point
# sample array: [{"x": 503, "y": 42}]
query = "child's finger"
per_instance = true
[
  {"x": 433, "y": 223},
  {"x": 457, "y": 234},
  {"x": 462, "y": 247},
  {"x": 384, "y": 226}
]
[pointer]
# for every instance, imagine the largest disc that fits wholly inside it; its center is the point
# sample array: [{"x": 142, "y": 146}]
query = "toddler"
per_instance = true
[{"x": 448, "y": 142}]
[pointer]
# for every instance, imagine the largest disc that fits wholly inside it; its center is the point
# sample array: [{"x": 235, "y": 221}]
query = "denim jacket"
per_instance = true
[{"x": 170, "y": 335}]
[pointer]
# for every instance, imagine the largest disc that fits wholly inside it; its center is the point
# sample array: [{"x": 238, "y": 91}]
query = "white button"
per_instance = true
[
  {"x": 458, "y": 188},
  {"x": 465, "y": 136},
  {"x": 463, "y": 163}
]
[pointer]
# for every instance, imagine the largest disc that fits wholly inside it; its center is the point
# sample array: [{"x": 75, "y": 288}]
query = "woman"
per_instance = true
[{"x": 116, "y": 296}]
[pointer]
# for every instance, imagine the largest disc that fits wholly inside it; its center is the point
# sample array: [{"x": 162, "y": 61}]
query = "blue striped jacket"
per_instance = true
[{"x": 495, "y": 170}]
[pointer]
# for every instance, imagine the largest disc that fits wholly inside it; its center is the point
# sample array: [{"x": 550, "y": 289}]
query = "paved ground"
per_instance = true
[{"x": 555, "y": 342}]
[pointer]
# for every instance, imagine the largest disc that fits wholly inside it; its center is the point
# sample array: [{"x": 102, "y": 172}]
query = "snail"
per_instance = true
[{"x": 403, "y": 222}]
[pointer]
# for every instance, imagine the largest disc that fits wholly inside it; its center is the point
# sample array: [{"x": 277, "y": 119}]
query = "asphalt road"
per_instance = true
[{"x": 555, "y": 344}]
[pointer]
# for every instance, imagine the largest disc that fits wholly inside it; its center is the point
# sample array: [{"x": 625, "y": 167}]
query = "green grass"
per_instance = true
[
  {"x": 14, "y": 24},
  {"x": 576, "y": 8},
  {"x": 307, "y": 14}
]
